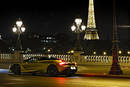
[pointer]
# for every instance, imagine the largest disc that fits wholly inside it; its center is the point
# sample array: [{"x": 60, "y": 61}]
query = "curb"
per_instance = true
[{"x": 103, "y": 75}]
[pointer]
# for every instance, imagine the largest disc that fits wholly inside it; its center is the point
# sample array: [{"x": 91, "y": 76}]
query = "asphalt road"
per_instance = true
[{"x": 27, "y": 80}]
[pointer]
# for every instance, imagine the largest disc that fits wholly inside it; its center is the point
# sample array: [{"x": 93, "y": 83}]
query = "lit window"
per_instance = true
[
  {"x": 46, "y": 41},
  {"x": 49, "y": 38}
]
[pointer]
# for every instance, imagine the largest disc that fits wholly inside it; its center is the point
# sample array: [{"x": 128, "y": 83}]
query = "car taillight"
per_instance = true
[{"x": 61, "y": 62}]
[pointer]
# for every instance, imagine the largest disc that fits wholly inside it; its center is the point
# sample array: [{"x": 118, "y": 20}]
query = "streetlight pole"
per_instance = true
[
  {"x": 78, "y": 28},
  {"x": 18, "y": 44},
  {"x": 115, "y": 69},
  {"x": 18, "y": 29}
]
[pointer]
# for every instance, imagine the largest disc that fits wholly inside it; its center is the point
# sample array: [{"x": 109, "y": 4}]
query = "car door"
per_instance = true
[
  {"x": 26, "y": 65},
  {"x": 29, "y": 65},
  {"x": 35, "y": 65}
]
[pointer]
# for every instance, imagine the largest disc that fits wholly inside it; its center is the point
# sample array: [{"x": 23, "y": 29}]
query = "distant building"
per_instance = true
[
  {"x": 57, "y": 43},
  {"x": 48, "y": 38}
]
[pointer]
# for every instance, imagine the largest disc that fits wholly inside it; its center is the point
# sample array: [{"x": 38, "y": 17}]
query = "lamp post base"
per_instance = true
[
  {"x": 77, "y": 56},
  {"x": 115, "y": 69}
]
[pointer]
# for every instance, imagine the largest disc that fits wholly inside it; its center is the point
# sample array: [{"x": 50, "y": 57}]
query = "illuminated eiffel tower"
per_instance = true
[{"x": 91, "y": 31}]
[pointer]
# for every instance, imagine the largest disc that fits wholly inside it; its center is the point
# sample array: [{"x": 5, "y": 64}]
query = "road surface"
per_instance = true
[{"x": 27, "y": 80}]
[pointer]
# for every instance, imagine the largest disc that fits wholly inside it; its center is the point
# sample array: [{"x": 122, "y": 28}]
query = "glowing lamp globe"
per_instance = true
[
  {"x": 23, "y": 29},
  {"x": 73, "y": 28},
  {"x": 78, "y": 21},
  {"x": 14, "y": 29},
  {"x": 19, "y": 23},
  {"x": 83, "y": 27}
]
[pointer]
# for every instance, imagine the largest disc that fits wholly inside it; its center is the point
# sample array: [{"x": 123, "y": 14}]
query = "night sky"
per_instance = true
[{"x": 58, "y": 16}]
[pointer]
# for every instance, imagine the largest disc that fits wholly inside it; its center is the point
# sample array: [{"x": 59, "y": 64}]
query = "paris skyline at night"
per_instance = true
[{"x": 58, "y": 17}]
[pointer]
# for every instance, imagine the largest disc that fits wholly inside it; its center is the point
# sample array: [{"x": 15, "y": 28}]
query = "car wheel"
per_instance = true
[
  {"x": 52, "y": 70},
  {"x": 16, "y": 69}
]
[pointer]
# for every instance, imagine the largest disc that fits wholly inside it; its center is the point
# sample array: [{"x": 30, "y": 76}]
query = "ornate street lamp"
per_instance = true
[
  {"x": 77, "y": 28},
  {"x": 115, "y": 68},
  {"x": 18, "y": 29}
]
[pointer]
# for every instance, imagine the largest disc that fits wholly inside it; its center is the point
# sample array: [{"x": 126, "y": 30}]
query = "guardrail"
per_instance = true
[{"x": 83, "y": 59}]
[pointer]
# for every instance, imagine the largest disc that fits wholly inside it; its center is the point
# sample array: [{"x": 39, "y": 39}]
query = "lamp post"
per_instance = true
[
  {"x": 18, "y": 29},
  {"x": 115, "y": 68},
  {"x": 77, "y": 28}
]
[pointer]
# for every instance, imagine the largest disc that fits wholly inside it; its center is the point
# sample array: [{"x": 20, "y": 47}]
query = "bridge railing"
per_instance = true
[
  {"x": 83, "y": 59},
  {"x": 6, "y": 58}
]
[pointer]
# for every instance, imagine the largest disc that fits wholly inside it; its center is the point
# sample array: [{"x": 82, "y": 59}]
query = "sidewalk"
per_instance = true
[
  {"x": 100, "y": 71},
  {"x": 102, "y": 75}
]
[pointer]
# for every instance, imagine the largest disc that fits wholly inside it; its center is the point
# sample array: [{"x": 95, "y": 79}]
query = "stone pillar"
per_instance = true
[{"x": 77, "y": 56}]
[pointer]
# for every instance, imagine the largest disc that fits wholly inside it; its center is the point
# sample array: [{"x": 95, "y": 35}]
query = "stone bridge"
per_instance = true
[{"x": 89, "y": 63}]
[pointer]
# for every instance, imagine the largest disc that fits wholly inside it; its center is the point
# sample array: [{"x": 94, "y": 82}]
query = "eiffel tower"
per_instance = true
[{"x": 91, "y": 31}]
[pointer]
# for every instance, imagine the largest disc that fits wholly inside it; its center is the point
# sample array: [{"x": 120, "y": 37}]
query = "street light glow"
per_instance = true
[
  {"x": 23, "y": 29},
  {"x": 19, "y": 27},
  {"x": 104, "y": 53},
  {"x": 49, "y": 50},
  {"x": 120, "y": 52},
  {"x": 14, "y": 29},
  {"x": 94, "y": 52},
  {"x": 73, "y": 28},
  {"x": 78, "y": 21},
  {"x": 72, "y": 51},
  {"x": 83, "y": 27},
  {"x": 128, "y": 52},
  {"x": 19, "y": 23}
]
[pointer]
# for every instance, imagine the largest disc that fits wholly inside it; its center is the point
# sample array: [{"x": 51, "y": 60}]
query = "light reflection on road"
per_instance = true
[
  {"x": 4, "y": 70},
  {"x": 59, "y": 81}
]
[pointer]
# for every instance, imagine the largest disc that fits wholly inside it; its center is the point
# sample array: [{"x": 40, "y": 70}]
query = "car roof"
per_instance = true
[
  {"x": 43, "y": 58},
  {"x": 47, "y": 58}
]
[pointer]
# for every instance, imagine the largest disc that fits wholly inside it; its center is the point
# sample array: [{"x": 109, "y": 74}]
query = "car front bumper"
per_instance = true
[{"x": 70, "y": 70}]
